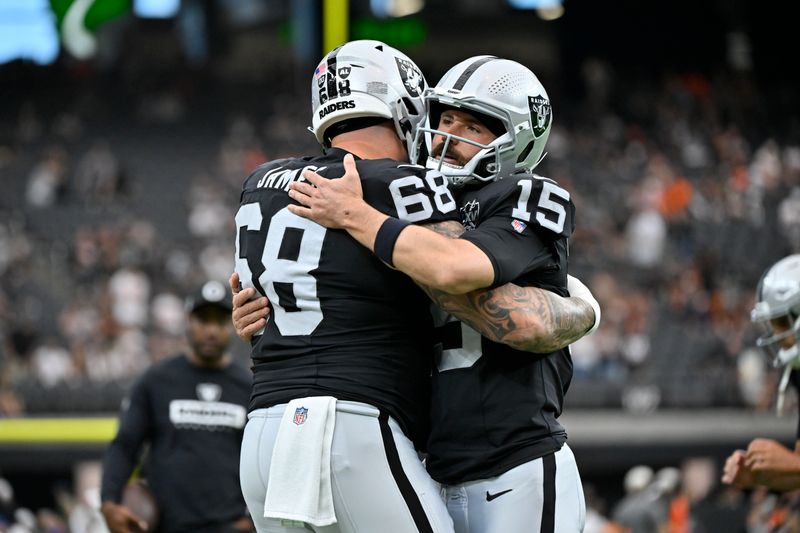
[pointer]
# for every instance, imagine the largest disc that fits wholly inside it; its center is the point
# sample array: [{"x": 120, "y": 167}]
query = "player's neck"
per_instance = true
[
  {"x": 374, "y": 142},
  {"x": 214, "y": 363}
]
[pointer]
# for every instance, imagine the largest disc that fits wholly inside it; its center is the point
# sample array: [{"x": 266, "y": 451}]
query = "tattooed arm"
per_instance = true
[{"x": 526, "y": 318}]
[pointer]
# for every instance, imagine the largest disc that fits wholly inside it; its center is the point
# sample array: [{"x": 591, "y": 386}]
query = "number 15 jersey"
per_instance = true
[
  {"x": 495, "y": 407},
  {"x": 342, "y": 323}
]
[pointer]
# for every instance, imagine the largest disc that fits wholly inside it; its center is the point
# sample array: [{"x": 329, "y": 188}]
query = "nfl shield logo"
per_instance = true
[
  {"x": 518, "y": 226},
  {"x": 300, "y": 415}
]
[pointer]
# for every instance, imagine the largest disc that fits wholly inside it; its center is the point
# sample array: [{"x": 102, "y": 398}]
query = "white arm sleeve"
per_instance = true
[{"x": 577, "y": 289}]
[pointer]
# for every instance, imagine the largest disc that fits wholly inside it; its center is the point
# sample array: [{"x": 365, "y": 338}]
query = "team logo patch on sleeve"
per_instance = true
[
  {"x": 518, "y": 226},
  {"x": 469, "y": 214},
  {"x": 541, "y": 113},
  {"x": 300, "y": 415}
]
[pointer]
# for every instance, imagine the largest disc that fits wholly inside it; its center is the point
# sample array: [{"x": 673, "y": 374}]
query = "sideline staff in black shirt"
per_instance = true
[{"x": 191, "y": 410}]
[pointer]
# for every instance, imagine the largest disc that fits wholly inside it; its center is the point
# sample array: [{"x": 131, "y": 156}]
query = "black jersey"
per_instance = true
[
  {"x": 193, "y": 419},
  {"x": 794, "y": 378},
  {"x": 495, "y": 407},
  {"x": 342, "y": 324}
]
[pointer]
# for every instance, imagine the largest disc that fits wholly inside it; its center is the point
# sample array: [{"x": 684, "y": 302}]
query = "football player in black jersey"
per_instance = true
[
  {"x": 495, "y": 439},
  {"x": 767, "y": 462},
  {"x": 341, "y": 369},
  {"x": 342, "y": 325},
  {"x": 190, "y": 410}
]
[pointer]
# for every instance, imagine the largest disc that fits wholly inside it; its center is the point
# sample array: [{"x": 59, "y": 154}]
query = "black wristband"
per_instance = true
[{"x": 387, "y": 237}]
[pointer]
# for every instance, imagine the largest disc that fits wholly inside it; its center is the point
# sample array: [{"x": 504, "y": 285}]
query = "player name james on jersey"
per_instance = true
[{"x": 281, "y": 178}]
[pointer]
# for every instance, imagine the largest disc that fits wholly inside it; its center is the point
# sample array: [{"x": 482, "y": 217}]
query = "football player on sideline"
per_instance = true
[
  {"x": 191, "y": 410},
  {"x": 767, "y": 462},
  {"x": 343, "y": 325},
  {"x": 495, "y": 439}
]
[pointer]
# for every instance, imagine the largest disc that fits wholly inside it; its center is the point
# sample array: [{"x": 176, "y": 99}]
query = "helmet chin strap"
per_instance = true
[
  {"x": 790, "y": 357},
  {"x": 782, "y": 389}
]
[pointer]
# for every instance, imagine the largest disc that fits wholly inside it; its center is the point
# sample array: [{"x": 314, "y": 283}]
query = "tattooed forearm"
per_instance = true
[
  {"x": 526, "y": 318},
  {"x": 448, "y": 228}
]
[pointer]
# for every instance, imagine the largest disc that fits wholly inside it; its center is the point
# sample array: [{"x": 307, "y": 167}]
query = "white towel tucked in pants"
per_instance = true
[{"x": 299, "y": 486}]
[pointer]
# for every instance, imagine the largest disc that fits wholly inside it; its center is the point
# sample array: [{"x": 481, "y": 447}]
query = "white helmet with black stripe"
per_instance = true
[
  {"x": 362, "y": 81},
  {"x": 509, "y": 99}
]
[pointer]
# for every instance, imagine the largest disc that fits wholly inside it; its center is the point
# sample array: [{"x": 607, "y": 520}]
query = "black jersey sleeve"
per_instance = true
[
  {"x": 122, "y": 453},
  {"x": 524, "y": 227},
  {"x": 794, "y": 379},
  {"x": 408, "y": 192}
]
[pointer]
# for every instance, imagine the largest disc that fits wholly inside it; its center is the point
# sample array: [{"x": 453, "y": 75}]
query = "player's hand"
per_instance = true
[
  {"x": 736, "y": 472},
  {"x": 120, "y": 519},
  {"x": 334, "y": 203},
  {"x": 249, "y": 316},
  {"x": 769, "y": 456}
]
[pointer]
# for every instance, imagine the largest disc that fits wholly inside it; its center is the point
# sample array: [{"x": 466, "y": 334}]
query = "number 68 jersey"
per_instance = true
[{"x": 342, "y": 323}]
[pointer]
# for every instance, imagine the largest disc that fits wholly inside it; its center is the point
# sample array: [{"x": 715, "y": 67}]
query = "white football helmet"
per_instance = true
[
  {"x": 502, "y": 90},
  {"x": 778, "y": 300},
  {"x": 363, "y": 79}
]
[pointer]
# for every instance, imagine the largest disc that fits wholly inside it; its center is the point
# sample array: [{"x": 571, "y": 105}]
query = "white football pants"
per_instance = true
[
  {"x": 379, "y": 484},
  {"x": 544, "y": 495}
]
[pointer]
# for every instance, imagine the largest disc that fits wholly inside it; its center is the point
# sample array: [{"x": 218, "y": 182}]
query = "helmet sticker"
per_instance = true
[
  {"x": 377, "y": 87},
  {"x": 540, "y": 114},
  {"x": 328, "y": 85},
  {"x": 411, "y": 76}
]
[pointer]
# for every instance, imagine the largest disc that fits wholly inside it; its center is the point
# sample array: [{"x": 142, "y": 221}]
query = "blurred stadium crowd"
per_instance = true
[
  {"x": 116, "y": 202},
  {"x": 119, "y": 198}
]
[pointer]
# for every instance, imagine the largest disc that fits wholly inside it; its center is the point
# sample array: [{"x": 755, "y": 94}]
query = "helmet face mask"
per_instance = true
[
  {"x": 505, "y": 92},
  {"x": 773, "y": 342},
  {"x": 366, "y": 79},
  {"x": 777, "y": 311}
]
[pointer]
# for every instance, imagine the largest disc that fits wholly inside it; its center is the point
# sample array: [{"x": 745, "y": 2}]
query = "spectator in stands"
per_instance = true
[
  {"x": 767, "y": 462},
  {"x": 47, "y": 181},
  {"x": 636, "y": 511},
  {"x": 191, "y": 409}
]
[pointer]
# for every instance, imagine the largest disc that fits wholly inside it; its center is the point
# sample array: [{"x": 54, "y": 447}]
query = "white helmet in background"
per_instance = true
[
  {"x": 778, "y": 303},
  {"x": 363, "y": 80},
  {"x": 509, "y": 99}
]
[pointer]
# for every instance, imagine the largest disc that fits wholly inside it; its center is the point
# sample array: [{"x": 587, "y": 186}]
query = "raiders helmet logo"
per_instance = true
[
  {"x": 411, "y": 76},
  {"x": 541, "y": 114},
  {"x": 344, "y": 72},
  {"x": 208, "y": 392}
]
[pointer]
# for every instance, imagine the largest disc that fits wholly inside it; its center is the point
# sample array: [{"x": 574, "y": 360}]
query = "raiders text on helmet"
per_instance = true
[
  {"x": 363, "y": 79},
  {"x": 503, "y": 91}
]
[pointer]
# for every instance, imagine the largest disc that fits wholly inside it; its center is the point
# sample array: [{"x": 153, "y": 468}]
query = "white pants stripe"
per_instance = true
[
  {"x": 378, "y": 481},
  {"x": 544, "y": 496}
]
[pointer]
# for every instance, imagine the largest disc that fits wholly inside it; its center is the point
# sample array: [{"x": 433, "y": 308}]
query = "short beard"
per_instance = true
[{"x": 437, "y": 154}]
